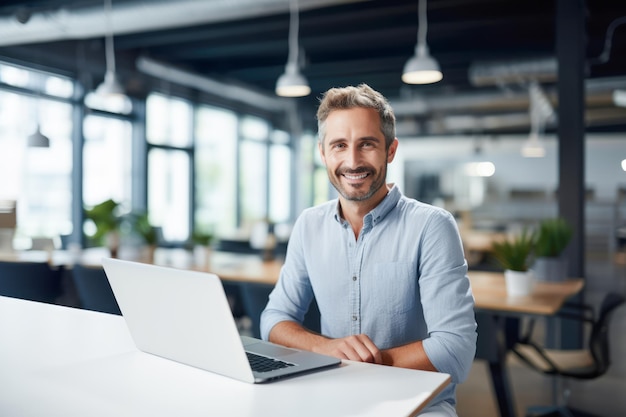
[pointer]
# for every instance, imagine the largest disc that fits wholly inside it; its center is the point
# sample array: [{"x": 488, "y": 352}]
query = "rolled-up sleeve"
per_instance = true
[{"x": 447, "y": 299}]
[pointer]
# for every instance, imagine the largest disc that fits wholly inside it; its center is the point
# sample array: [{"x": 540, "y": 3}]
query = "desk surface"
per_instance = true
[
  {"x": 59, "y": 361},
  {"x": 546, "y": 298}
]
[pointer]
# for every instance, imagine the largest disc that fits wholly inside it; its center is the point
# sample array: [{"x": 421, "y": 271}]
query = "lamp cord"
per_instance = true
[
  {"x": 293, "y": 32},
  {"x": 109, "y": 47},
  {"x": 606, "y": 52},
  {"x": 422, "y": 24}
]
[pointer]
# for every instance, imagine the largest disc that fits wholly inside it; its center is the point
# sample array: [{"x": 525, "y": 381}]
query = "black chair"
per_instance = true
[
  {"x": 591, "y": 362},
  {"x": 94, "y": 290},
  {"x": 255, "y": 296},
  {"x": 35, "y": 281}
]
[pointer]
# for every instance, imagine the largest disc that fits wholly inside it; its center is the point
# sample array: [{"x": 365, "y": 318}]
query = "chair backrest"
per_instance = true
[
  {"x": 94, "y": 290},
  {"x": 599, "y": 338},
  {"x": 35, "y": 281},
  {"x": 255, "y": 297}
]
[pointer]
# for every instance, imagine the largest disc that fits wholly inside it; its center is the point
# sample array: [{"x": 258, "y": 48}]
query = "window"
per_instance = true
[
  {"x": 280, "y": 178},
  {"x": 168, "y": 192},
  {"x": 169, "y": 121},
  {"x": 168, "y": 129},
  {"x": 38, "y": 179},
  {"x": 107, "y": 160},
  {"x": 253, "y": 172},
  {"x": 215, "y": 171}
]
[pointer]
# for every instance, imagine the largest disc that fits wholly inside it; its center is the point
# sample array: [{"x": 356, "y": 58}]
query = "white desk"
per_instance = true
[{"x": 59, "y": 361}]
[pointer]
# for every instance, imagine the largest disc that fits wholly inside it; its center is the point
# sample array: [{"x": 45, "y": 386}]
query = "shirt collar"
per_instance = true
[{"x": 380, "y": 211}]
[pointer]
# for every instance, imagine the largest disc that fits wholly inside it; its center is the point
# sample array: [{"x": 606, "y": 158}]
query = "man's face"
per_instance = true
[{"x": 355, "y": 155}]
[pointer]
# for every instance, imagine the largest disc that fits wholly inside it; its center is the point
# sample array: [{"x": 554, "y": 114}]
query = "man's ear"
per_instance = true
[{"x": 391, "y": 152}]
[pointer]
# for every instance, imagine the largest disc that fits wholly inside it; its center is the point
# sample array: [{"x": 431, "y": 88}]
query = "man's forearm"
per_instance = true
[
  {"x": 292, "y": 334},
  {"x": 411, "y": 356}
]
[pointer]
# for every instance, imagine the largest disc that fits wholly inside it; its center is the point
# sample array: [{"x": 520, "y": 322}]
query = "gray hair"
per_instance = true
[{"x": 350, "y": 97}]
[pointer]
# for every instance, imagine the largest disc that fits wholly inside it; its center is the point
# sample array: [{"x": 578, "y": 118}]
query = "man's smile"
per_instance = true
[{"x": 355, "y": 177}]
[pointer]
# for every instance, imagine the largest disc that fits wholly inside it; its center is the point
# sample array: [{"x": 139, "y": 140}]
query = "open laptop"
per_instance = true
[{"x": 185, "y": 316}]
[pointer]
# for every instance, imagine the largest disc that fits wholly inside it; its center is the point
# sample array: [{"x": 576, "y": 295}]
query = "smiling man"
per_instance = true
[{"x": 387, "y": 271}]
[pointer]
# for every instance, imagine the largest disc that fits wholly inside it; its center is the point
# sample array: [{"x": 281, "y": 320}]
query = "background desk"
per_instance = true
[
  {"x": 59, "y": 361},
  {"x": 493, "y": 306}
]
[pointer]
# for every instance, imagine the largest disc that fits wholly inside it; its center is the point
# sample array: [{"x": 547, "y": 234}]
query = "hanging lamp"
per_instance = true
[
  {"x": 421, "y": 68},
  {"x": 292, "y": 83},
  {"x": 540, "y": 112},
  {"x": 38, "y": 139},
  {"x": 110, "y": 86}
]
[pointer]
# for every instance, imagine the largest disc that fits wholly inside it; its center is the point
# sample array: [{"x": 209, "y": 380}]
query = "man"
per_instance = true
[{"x": 387, "y": 272}]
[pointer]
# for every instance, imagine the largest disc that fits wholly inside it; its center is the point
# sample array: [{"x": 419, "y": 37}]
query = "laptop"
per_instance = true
[{"x": 184, "y": 316}]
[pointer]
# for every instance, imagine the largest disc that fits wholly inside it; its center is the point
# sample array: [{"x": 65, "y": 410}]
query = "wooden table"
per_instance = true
[
  {"x": 498, "y": 322},
  {"x": 547, "y": 298}
]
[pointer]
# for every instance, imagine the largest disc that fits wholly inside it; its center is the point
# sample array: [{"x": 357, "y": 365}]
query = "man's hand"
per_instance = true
[{"x": 356, "y": 348}]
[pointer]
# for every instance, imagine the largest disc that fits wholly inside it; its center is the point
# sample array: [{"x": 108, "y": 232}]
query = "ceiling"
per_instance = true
[{"x": 244, "y": 42}]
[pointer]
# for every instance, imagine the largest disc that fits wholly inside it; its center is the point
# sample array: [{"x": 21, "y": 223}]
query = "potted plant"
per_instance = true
[
  {"x": 553, "y": 236},
  {"x": 137, "y": 223},
  {"x": 202, "y": 248},
  {"x": 107, "y": 222},
  {"x": 514, "y": 256}
]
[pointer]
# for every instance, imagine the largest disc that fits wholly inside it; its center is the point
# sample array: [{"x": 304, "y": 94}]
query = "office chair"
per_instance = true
[
  {"x": 588, "y": 363},
  {"x": 255, "y": 296},
  {"x": 35, "y": 281},
  {"x": 94, "y": 290}
]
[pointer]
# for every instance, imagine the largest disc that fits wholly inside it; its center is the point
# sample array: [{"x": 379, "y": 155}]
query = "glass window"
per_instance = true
[
  {"x": 253, "y": 181},
  {"x": 107, "y": 160},
  {"x": 254, "y": 128},
  {"x": 169, "y": 121},
  {"x": 60, "y": 87},
  {"x": 215, "y": 171},
  {"x": 38, "y": 81},
  {"x": 39, "y": 179},
  {"x": 14, "y": 76},
  {"x": 280, "y": 183},
  {"x": 168, "y": 192}
]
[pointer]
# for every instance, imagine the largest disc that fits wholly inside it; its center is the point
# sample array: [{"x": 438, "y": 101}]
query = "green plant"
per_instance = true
[
  {"x": 515, "y": 254},
  {"x": 552, "y": 238},
  {"x": 202, "y": 238},
  {"x": 105, "y": 218},
  {"x": 140, "y": 224}
]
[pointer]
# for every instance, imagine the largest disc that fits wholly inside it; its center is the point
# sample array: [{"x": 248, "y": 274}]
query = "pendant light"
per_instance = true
[
  {"x": 292, "y": 83},
  {"x": 110, "y": 86},
  {"x": 38, "y": 139},
  {"x": 421, "y": 68},
  {"x": 541, "y": 112}
]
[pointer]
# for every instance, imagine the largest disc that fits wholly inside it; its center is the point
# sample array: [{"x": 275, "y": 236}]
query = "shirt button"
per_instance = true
[
  {"x": 354, "y": 318},
  {"x": 354, "y": 278}
]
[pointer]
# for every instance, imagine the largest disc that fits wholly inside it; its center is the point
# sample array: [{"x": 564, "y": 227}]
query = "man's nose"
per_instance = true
[{"x": 353, "y": 158}]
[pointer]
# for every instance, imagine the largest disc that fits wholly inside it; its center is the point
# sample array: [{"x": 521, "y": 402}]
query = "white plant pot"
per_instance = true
[
  {"x": 202, "y": 256},
  {"x": 519, "y": 284}
]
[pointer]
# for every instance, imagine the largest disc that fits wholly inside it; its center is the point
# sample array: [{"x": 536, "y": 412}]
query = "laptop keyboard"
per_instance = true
[{"x": 264, "y": 364}]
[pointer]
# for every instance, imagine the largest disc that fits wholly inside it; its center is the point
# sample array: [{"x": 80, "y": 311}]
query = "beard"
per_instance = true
[{"x": 358, "y": 192}]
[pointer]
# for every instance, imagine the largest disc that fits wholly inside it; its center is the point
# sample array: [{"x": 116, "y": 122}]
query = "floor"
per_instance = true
[{"x": 605, "y": 396}]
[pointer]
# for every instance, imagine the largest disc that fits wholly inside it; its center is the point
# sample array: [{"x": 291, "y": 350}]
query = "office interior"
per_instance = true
[{"x": 528, "y": 123}]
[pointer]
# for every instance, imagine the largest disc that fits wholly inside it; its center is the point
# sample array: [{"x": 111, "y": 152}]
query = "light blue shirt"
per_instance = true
[{"x": 404, "y": 279}]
